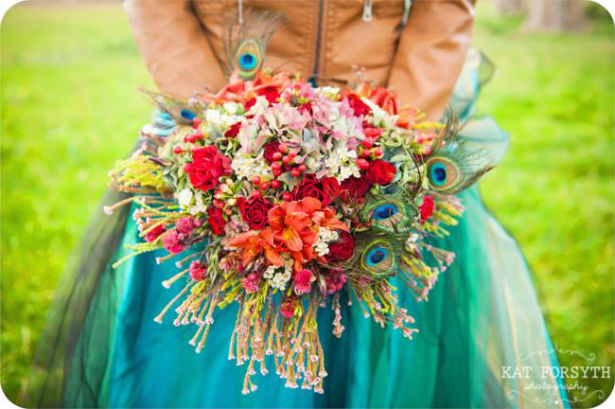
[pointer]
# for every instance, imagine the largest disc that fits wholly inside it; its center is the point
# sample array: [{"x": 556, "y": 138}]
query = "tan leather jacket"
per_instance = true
[{"x": 418, "y": 50}]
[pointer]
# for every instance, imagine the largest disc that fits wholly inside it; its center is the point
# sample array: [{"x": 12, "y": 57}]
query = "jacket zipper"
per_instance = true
[{"x": 321, "y": 10}]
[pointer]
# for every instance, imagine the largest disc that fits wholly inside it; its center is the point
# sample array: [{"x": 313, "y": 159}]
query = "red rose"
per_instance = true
[
  {"x": 254, "y": 211},
  {"x": 233, "y": 130},
  {"x": 269, "y": 149},
  {"x": 172, "y": 241},
  {"x": 358, "y": 106},
  {"x": 325, "y": 189},
  {"x": 207, "y": 165},
  {"x": 198, "y": 271},
  {"x": 427, "y": 207},
  {"x": 153, "y": 234},
  {"x": 216, "y": 220},
  {"x": 381, "y": 172},
  {"x": 354, "y": 188},
  {"x": 342, "y": 248}
]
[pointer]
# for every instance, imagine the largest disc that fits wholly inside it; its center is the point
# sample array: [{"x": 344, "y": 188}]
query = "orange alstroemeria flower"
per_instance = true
[{"x": 292, "y": 228}]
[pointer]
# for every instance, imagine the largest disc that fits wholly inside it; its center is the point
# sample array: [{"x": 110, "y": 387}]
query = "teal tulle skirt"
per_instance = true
[{"x": 482, "y": 322}]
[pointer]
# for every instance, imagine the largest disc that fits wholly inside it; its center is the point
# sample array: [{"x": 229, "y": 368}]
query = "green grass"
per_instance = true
[{"x": 69, "y": 110}]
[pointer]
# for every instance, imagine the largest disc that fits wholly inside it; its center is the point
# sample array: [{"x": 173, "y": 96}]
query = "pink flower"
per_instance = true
[
  {"x": 303, "y": 281},
  {"x": 251, "y": 286},
  {"x": 335, "y": 281},
  {"x": 172, "y": 241},
  {"x": 185, "y": 225},
  {"x": 288, "y": 307},
  {"x": 198, "y": 270}
]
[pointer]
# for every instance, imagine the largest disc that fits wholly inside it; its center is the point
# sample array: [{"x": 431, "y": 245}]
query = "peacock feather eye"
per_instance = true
[
  {"x": 386, "y": 214},
  {"x": 248, "y": 59},
  {"x": 385, "y": 211},
  {"x": 378, "y": 257},
  {"x": 444, "y": 175}
]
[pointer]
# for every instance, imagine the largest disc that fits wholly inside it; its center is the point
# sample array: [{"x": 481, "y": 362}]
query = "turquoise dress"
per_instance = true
[{"x": 482, "y": 320}]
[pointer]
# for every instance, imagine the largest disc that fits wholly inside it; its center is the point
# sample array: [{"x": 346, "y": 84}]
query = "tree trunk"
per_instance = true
[
  {"x": 506, "y": 7},
  {"x": 554, "y": 15}
]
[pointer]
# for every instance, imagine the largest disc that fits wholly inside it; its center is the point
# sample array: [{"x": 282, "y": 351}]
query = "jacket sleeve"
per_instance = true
[
  {"x": 174, "y": 46},
  {"x": 431, "y": 53}
]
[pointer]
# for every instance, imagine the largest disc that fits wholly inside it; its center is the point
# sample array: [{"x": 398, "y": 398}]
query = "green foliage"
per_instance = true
[
  {"x": 555, "y": 189},
  {"x": 70, "y": 110}
]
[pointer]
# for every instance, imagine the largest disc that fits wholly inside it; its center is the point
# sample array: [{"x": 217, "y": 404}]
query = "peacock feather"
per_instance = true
[
  {"x": 178, "y": 110},
  {"x": 389, "y": 214},
  {"x": 246, "y": 41},
  {"x": 456, "y": 162}
]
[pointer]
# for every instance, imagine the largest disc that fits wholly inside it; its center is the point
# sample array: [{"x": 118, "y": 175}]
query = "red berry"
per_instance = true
[
  {"x": 276, "y": 165},
  {"x": 276, "y": 172},
  {"x": 283, "y": 148},
  {"x": 196, "y": 122},
  {"x": 362, "y": 164},
  {"x": 295, "y": 172},
  {"x": 365, "y": 153},
  {"x": 264, "y": 185},
  {"x": 377, "y": 151},
  {"x": 287, "y": 197},
  {"x": 302, "y": 167},
  {"x": 177, "y": 149},
  {"x": 255, "y": 179},
  {"x": 292, "y": 154},
  {"x": 287, "y": 159},
  {"x": 256, "y": 194},
  {"x": 276, "y": 184},
  {"x": 218, "y": 203},
  {"x": 277, "y": 156}
]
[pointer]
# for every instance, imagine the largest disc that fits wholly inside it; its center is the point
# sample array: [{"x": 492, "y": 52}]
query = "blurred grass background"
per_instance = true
[{"x": 70, "y": 109}]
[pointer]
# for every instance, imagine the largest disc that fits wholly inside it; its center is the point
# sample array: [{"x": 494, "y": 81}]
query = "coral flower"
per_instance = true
[{"x": 292, "y": 228}]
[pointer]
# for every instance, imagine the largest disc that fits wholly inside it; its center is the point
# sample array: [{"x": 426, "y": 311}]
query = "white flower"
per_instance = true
[
  {"x": 184, "y": 197},
  {"x": 199, "y": 206},
  {"x": 230, "y": 108},
  {"x": 213, "y": 116},
  {"x": 278, "y": 277},
  {"x": 341, "y": 163},
  {"x": 380, "y": 114},
  {"x": 328, "y": 91},
  {"x": 245, "y": 167},
  {"x": 218, "y": 118},
  {"x": 325, "y": 236}
]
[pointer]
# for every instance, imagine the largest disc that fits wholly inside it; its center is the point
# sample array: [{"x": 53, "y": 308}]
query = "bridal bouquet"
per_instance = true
[{"x": 279, "y": 196}]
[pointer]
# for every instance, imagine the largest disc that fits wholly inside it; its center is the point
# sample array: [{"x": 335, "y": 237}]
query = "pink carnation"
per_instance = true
[
  {"x": 198, "y": 270},
  {"x": 172, "y": 241},
  {"x": 249, "y": 285},
  {"x": 303, "y": 281},
  {"x": 185, "y": 225}
]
